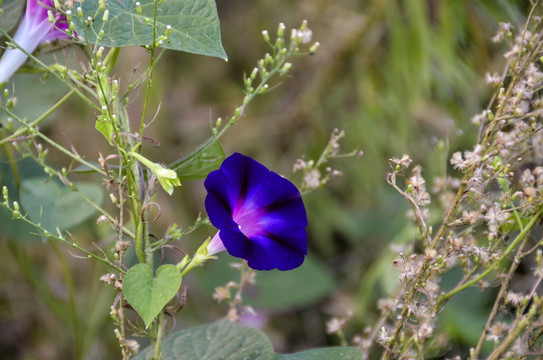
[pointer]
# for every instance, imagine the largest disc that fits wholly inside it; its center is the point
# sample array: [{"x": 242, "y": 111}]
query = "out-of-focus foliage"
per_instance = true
[{"x": 398, "y": 76}]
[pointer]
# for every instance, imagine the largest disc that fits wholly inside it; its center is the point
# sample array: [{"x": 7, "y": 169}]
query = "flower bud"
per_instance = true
[
  {"x": 254, "y": 73},
  {"x": 166, "y": 177},
  {"x": 265, "y": 35},
  {"x": 285, "y": 69},
  {"x": 314, "y": 47},
  {"x": 281, "y": 30}
]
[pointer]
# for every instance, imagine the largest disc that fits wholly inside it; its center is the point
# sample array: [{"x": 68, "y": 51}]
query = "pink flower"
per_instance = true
[{"x": 34, "y": 30}]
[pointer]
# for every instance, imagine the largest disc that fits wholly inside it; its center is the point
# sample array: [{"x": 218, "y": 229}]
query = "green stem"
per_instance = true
[
  {"x": 51, "y": 142},
  {"x": 258, "y": 90},
  {"x": 157, "y": 346},
  {"x": 101, "y": 210},
  {"x": 150, "y": 79},
  {"x": 497, "y": 302},
  {"x": 111, "y": 59},
  {"x": 68, "y": 279},
  {"x": 38, "y": 120},
  {"x": 60, "y": 238},
  {"x": 138, "y": 242},
  {"x": 511, "y": 337}
]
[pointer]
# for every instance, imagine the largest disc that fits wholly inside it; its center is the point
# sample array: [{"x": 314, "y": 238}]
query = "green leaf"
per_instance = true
[
  {"x": 220, "y": 340},
  {"x": 227, "y": 340},
  {"x": 335, "y": 353},
  {"x": 54, "y": 205},
  {"x": 194, "y": 25},
  {"x": 149, "y": 294},
  {"x": 11, "y": 13},
  {"x": 105, "y": 127},
  {"x": 204, "y": 159}
]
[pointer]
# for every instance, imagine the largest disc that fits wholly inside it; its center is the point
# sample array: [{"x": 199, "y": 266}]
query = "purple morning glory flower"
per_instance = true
[
  {"x": 260, "y": 215},
  {"x": 34, "y": 30}
]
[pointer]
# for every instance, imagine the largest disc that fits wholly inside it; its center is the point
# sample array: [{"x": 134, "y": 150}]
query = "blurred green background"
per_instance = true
[{"x": 397, "y": 76}]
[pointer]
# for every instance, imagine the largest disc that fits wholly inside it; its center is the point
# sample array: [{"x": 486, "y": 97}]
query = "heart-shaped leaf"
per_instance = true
[
  {"x": 193, "y": 25},
  {"x": 148, "y": 294},
  {"x": 56, "y": 206}
]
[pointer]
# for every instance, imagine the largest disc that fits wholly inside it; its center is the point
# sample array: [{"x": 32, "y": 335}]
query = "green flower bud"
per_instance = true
[{"x": 166, "y": 177}]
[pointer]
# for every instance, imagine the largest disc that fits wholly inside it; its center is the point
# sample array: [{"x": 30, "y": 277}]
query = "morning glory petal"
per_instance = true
[
  {"x": 277, "y": 189},
  {"x": 235, "y": 242},
  {"x": 220, "y": 214},
  {"x": 246, "y": 177},
  {"x": 267, "y": 254},
  {"x": 260, "y": 215},
  {"x": 287, "y": 233},
  {"x": 34, "y": 30}
]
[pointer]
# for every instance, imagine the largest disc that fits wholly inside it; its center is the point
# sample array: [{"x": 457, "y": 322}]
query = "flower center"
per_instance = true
[{"x": 248, "y": 221}]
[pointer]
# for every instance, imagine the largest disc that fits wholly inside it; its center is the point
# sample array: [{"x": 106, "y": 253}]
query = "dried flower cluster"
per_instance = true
[
  {"x": 231, "y": 293},
  {"x": 490, "y": 211},
  {"x": 313, "y": 175}
]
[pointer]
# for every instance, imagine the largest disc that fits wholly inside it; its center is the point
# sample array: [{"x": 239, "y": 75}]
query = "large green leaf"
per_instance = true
[
  {"x": 56, "y": 206},
  {"x": 334, "y": 353},
  {"x": 204, "y": 159},
  {"x": 217, "y": 341},
  {"x": 149, "y": 294},
  {"x": 11, "y": 13},
  {"x": 194, "y": 25},
  {"x": 225, "y": 340}
]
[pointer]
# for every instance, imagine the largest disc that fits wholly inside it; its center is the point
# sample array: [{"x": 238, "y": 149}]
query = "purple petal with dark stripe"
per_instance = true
[{"x": 260, "y": 215}]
